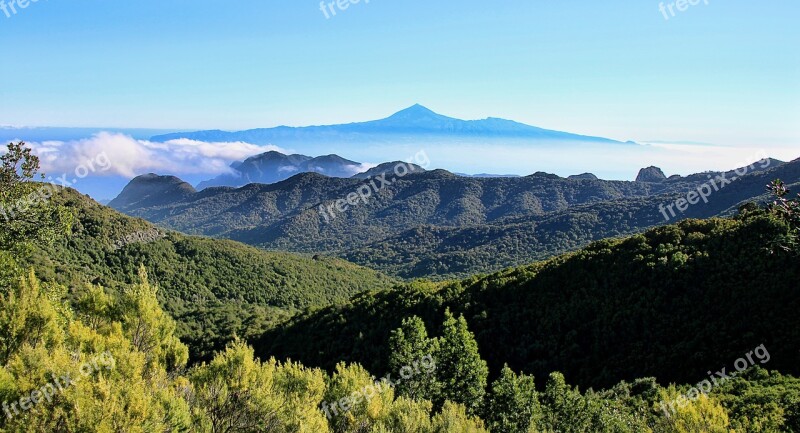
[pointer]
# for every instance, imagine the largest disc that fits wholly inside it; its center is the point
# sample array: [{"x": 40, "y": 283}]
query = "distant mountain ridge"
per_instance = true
[
  {"x": 437, "y": 224},
  {"x": 413, "y": 121},
  {"x": 273, "y": 166}
]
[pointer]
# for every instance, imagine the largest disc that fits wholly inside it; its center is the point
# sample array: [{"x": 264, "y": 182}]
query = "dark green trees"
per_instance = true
[
  {"x": 461, "y": 370},
  {"x": 512, "y": 405},
  {"x": 410, "y": 345},
  {"x": 786, "y": 209},
  {"x": 460, "y": 373}
]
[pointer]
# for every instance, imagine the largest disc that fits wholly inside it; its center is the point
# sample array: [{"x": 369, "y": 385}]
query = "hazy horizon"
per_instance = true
[
  {"x": 720, "y": 73},
  {"x": 702, "y": 87},
  {"x": 132, "y": 153}
]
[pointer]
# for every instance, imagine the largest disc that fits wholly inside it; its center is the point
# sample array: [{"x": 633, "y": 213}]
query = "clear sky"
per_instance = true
[{"x": 726, "y": 72}]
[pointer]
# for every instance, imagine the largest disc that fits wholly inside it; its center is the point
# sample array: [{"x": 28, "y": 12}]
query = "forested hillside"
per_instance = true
[
  {"x": 216, "y": 289},
  {"x": 439, "y": 225},
  {"x": 671, "y": 303}
]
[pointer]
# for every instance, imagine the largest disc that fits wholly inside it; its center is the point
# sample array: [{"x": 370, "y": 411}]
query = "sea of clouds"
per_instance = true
[{"x": 131, "y": 157}]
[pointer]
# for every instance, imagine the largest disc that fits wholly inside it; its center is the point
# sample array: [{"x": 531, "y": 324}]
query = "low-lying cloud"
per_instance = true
[
  {"x": 361, "y": 168},
  {"x": 131, "y": 157}
]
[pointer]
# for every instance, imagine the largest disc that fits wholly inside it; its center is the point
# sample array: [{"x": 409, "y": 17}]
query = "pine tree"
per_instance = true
[
  {"x": 28, "y": 317},
  {"x": 513, "y": 404},
  {"x": 461, "y": 371},
  {"x": 27, "y": 215},
  {"x": 26, "y": 211},
  {"x": 565, "y": 409},
  {"x": 151, "y": 330},
  {"x": 454, "y": 418},
  {"x": 411, "y": 357}
]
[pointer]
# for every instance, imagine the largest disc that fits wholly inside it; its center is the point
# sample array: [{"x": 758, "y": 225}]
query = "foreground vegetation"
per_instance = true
[
  {"x": 142, "y": 386},
  {"x": 85, "y": 358}
]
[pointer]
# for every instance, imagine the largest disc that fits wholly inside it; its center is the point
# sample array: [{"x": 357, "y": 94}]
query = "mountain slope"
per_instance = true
[
  {"x": 215, "y": 288},
  {"x": 444, "y": 252},
  {"x": 671, "y": 303}
]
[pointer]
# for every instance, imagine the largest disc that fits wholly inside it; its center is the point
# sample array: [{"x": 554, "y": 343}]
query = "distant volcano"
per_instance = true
[{"x": 413, "y": 122}]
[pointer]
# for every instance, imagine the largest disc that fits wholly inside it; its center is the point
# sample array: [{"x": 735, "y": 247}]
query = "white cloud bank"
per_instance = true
[
  {"x": 361, "y": 168},
  {"x": 130, "y": 157}
]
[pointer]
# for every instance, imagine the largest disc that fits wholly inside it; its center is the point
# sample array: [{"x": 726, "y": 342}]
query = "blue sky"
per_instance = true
[{"x": 723, "y": 73}]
